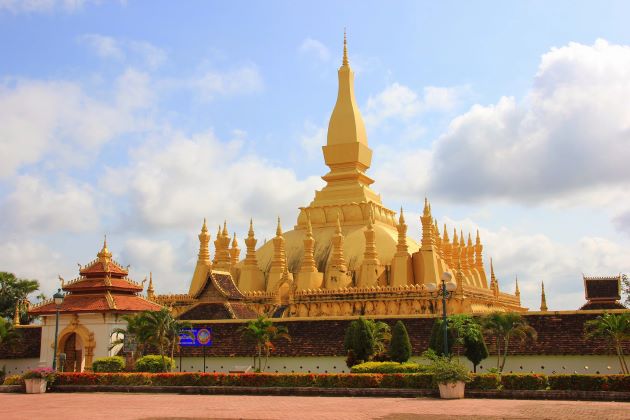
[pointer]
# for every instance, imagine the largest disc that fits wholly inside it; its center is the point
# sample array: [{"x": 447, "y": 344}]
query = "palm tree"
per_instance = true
[
  {"x": 381, "y": 333},
  {"x": 263, "y": 333},
  {"x": 504, "y": 326},
  {"x": 615, "y": 329},
  {"x": 158, "y": 331},
  {"x": 136, "y": 325}
]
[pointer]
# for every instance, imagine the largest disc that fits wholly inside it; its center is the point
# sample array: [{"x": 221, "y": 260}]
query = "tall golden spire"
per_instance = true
[
  {"x": 401, "y": 248},
  {"x": 543, "y": 298},
  {"x": 278, "y": 262},
  {"x": 370, "y": 255},
  {"x": 338, "y": 261},
  {"x": 428, "y": 239},
  {"x": 16, "y": 316},
  {"x": 478, "y": 253},
  {"x": 446, "y": 248},
  {"x": 344, "y": 61},
  {"x": 235, "y": 251},
  {"x": 517, "y": 292},
  {"x": 204, "y": 240},
  {"x": 250, "y": 243},
  {"x": 278, "y": 228}
]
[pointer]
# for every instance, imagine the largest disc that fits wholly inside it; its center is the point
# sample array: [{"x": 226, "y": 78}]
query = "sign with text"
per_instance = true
[
  {"x": 196, "y": 337},
  {"x": 130, "y": 343}
]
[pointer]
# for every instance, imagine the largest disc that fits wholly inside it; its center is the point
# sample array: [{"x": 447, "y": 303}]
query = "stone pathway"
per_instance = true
[{"x": 173, "y": 406}]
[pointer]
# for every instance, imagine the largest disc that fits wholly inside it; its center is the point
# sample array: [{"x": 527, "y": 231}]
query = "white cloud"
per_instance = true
[
  {"x": 36, "y": 205},
  {"x": 316, "y": 48},
  {"x": 312, "y": 139},
  {"x": 571, "y": 134},
  {"x": 178, "y": 181},
  {"x": 112, "y": 48},
  {"x": 240, "y": 81},
  {"x": 32, "y": 260},
  {"x": 57, "y": 120},
  {"x": 400, "y": 102}
]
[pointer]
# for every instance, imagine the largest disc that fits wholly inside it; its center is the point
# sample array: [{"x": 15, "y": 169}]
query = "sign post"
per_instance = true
[{"x": 196, "y": 337}]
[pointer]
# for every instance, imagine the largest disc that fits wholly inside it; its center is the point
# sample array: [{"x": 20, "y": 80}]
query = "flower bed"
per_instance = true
[{"x": 365, "y": 380}]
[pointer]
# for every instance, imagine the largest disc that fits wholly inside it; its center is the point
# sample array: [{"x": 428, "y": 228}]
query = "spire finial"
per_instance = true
[
  {"x": 234, "y": 241},
  {"x": 469, "y": 239},
  {"x": 204, "y": 227},
  {"x": 427, "y": 208},
  {"x": 517, "y": 292},
  {"x": 492, "y": 277},
  {"x": 445, "y": 238},
  {"x": 345, "y": 49},
  {"x": 478, "y": 239},
  {"x": 251, "y": 227},
  {"x": 104, "y": 253},
  {"x": 401, "y": 219},
  {"x": 279, "y": 228},
  {"x": 543, "y": 298},
  {"x": 225, "y": 231},
  {"x": 150, "y": 290}
]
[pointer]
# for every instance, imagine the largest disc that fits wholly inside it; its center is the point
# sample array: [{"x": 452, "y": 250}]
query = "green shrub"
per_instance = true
[
  {"x": 529, "y": 381},
  {"x": 13, "y": 380},
  {"x": 400, "y": 346},
  {"x": 109, "y": 364},
  {"x": 578, "y": 382},
  {"x": 389, "y": 367},
  {"x": 153, "y": 363},
  {"x": 484, "y": 381}
]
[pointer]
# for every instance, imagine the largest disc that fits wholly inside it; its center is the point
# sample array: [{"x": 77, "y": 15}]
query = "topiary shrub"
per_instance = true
[
  {"x": 528, "y": 381},
  {"x": 109, "y": 364},
  {"x": 578, "y": 382},
  {"x": 400, "y": 347},
  {"x": 153, "y": 363},
  {"x": 618, "y": 383}
]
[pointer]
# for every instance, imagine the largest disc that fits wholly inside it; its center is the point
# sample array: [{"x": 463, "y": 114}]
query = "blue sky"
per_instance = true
[{"x": 139, "y": 118}]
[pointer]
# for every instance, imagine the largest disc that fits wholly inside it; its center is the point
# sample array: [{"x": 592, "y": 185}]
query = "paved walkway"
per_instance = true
[{"x": 172, "y": 406}]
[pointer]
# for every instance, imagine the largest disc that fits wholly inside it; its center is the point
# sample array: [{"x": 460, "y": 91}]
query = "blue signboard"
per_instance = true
[{"x": 202, "y": 337}]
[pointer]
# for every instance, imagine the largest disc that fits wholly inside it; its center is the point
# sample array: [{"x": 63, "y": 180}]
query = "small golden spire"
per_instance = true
[
  {"x": 279, "y": 228},
  {"x": 517, "y": 292},
  {"x": 250, "y": 242},
  {"x": 427, "y": 208},
  {"x": 150, "y": 291},
  {"x": 345, "y": 62},
  {"x": 543, "y": 298},
  {"x": 455, "y": 243},
  {"x": 225, "y": 231},
  {"x": 104, "y": 254},
  {"x": 437, "y": 229},
  {"x": 235, "y": 251},
  {"x": 445, "y": 238},
  {"x": 469, "y": 240},
  {"x": 478, "y": 239},
  {"x": 492, "y": 277},
  {"x": 401, "y": 219},
  {"x": 251, "y": 228},
  {"x": 461, "y": 238}
]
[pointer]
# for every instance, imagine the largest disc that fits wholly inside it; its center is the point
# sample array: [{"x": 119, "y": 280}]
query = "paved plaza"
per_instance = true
[{"x": 172, "y": 406}]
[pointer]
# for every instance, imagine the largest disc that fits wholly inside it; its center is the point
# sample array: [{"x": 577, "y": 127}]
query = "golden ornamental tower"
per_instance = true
[
  {"x": 308, "y": 276},
  {"x": 543, "y": 298},
  {"x": 251, "y": 278},
  {"x": 204, "y": 265},
  {"x": 371, "y": 267}
]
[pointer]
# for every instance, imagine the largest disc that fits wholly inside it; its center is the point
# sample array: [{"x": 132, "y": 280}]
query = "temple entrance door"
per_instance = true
[{"x": 73, "y": 348}]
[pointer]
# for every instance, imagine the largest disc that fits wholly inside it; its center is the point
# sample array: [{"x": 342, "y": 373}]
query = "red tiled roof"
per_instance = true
[
  {"x": 94, "y": 283},
  {"x": 98, "y": 267},
  {"x": 241, "y": 310},
  {"x": 98, "y": 303}
]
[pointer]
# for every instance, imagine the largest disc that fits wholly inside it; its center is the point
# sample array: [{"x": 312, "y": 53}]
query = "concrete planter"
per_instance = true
[
  {"x": 452, "y": 390},
  {"x": 35, "y": 386}
]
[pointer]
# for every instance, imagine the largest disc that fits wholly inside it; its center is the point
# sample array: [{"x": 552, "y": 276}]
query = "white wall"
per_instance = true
[
  {"x": 516, "y": 364},
  {"x": 18, "y": 366}
]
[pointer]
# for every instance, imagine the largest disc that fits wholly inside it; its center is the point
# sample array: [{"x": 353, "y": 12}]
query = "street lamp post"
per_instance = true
[
  {"x": 58, "y": 298},
  {"x": 446, "y": 289}
]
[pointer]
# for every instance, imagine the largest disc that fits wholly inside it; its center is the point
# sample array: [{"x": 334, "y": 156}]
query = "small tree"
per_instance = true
[
  {"x": 436, "y": 340},
  {"x": 615, "y": 328},
  {"x": 505, "y": 326},
  {"x": 14, "y": 290},
  {"x": 475, "y": 349},
  {"x": 263, "y": 333},
  {"x": 364, "y": 338},
  {"x": 400, "y": 347}
]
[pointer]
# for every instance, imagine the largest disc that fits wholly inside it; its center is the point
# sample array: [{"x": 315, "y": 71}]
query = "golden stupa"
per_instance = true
[{"x": 347, "y": 255}]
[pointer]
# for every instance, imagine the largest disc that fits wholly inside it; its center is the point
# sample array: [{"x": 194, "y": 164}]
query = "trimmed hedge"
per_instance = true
[
  {"x": 389, "y": 367},
  {"x": 153, "y": 363},
  {"x": 484, "y": 381},
  {"x": 109, "y": 364},
  {"x": 350, "y": 380},
  {"x": 531, "y": 381}
]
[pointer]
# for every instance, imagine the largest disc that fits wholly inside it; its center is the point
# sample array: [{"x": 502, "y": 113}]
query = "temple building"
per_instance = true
[
  {"x": 91, "y": 310},
  {"x": 347, "y": 253}
]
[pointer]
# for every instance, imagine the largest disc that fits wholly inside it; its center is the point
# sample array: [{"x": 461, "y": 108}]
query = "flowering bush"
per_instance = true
[
  {"x": 345, "y": 380},
  {"x": 13, "y": 380},
  {"x": 40, "y": 373}
]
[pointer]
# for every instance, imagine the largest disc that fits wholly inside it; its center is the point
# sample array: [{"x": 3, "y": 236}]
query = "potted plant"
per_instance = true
[
  {"x": 37, "y": 379},
  {"x": 449, "y": 375}
]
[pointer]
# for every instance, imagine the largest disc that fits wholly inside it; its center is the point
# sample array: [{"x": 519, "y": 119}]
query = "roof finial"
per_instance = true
[
  {"x": 225, "y": 231},
  {"x": 279, "y": 228},
  {"x": 517, "y": 292},
  {"x": 251, "y": 227},
  {"x": 543, "y": 298},
  {"x": 401, "y": 219},
  {"x": 345, "y": 49}
]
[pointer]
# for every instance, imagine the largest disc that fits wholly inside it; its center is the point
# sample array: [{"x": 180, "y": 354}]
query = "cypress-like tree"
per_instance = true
[
  {"x": 436, "y": 342},
  {"x": 360, "y": 340},
  {"x": 475, "y": 350},
  {"x": 400, "y": 347}
]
